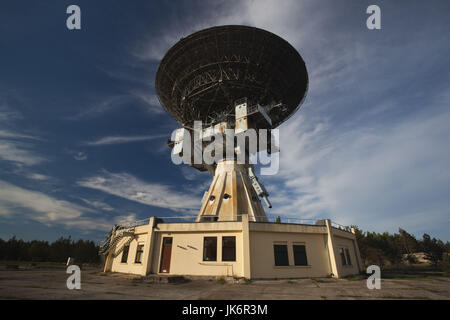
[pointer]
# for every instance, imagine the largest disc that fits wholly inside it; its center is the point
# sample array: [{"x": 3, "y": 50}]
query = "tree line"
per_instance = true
[
  {"x": 376, "y": 248},
  {"x": 393, "y": 249},
  {"x": 84, "y": 251}
]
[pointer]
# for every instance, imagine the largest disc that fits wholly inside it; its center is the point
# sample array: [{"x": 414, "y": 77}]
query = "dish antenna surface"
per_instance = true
[{"x": 202, "y": 75}]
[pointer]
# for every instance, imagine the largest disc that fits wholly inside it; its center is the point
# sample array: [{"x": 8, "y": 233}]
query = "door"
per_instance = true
[{"x": 166, "y": 253}]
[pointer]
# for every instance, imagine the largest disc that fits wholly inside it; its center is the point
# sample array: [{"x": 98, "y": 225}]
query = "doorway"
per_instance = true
[{"x": 166, "y": 254}]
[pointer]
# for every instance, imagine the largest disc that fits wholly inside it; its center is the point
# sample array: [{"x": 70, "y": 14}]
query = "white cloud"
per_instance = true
[
  {"x": 6, "y": 113},
  {"x": 122, "y": 139},
  {"x": 19, "y": 202},
  {"x": 15, "y": 146},
  {"x": 100, "y": 107},
  {"x": 289, "y": 19},
  {"x": 151, "y": 100},
  {"x": 15, "y": 135},
  {"x": 16, "y": 201},
  {"x": 125, "y": 219},
  {"x": 104, "y": 104},
  {"x": 19, "y": 152},
  {"x": 379, "y": 177},
  {"x": 98, "y": 204},
  {"x": 129, "y": 187},
  {"x": 80, "y": 156},
  {"x": 37, "y": 176}
]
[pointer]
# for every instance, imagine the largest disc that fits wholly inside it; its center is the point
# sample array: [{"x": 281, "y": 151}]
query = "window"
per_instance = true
[
  {"x": 300, "y": 255},
  {"x": 139, "y": 251},
  {"x": 125, "y": 254},
  {"x": 281, "y": 255},
  {"x": 210, "y": 249},
  {"x": 341, "y": 252},
  {"x": 210, "y": 219},
  {"x": 349, "y": 261},
  {"x": 228, "y": 248}
]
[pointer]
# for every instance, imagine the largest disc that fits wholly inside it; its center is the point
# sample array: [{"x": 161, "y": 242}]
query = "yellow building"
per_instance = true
[{"x": 240, "y": 249}]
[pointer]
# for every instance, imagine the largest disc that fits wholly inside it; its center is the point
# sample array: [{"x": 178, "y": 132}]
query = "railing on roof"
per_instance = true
[
  {"x": 269, "y": 217},
  {"x": 341, "y": 227},
  {"x": 128, "y": 224},
  {"x": 285, "y": 219}
]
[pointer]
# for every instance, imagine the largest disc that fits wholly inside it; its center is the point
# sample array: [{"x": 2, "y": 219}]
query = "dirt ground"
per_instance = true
[{"x": 50, "y": 283}]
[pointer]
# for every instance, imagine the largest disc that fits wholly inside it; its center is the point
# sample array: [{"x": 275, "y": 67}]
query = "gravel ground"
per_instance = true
[{"x": 50, "y": 283}]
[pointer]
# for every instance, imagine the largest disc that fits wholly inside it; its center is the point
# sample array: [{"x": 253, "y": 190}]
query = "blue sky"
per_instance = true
[{"x": 83, "y": 137}]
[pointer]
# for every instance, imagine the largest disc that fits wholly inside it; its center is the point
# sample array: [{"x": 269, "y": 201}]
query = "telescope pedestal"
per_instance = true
[{"x": 231, "y": 195}]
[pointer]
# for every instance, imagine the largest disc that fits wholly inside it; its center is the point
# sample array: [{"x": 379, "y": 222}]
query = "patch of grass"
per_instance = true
[
  {"x": 247, "y": 281},
  {"x": 349, "y": 296},
  {"x": 317, "y": 280},
  {"x": 221, "y": 281},
  {"x": 323, "y": 297}
]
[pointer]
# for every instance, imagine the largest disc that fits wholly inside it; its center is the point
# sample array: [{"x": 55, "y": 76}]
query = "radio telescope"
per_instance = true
[{"x": 234, "y": 78}]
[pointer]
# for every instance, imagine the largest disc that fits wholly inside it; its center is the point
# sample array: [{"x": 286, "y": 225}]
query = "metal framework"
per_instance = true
[{"x": 203, "y": 74}]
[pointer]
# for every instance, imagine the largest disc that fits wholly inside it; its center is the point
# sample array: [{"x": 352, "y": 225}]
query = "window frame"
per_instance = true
[
  {"x": 205, "y": 249},
  {"x": 343, "y": 257},
  {"x": 304, "y": 251},
  {"x": 126, "y": 249},
  {"x": 347, "y": 255},
  {"x": 139, "y": 253},
  {"x": 233, "y": 238},
  {"x": 285, "y": 259}
]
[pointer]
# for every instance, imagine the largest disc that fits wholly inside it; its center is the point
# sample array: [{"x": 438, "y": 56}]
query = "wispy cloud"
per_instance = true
[
  {"x": 103, "y": 105},
  {"x": 281, "y": 18},
  {"x": 122, "y": 139},
  {"x": 108, "y": 103},
  {"x": 80, "y": 156},
  {"x": 377, "y": 177},
  {"x": 15, "y": 146},
  {"x": 20, "y": 153},
  {"x": 37, "y": 176},
  {"x": 15, "y": 135},
  {"x": 151, "y": 101},
  {"x": 98, "y": 204},
  {"x": 20, "y": 202},
  {"x": 129, "y": 187}
]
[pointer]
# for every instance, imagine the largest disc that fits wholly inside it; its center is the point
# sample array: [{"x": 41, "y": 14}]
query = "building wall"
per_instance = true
[
  {"x": 130, "y": 266},
  {"x": 346, "y": 243},
  {"x": 187, "y": 255},
  {"x": 254, "y": 250},
  {"x": 263, "y": 259}
]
